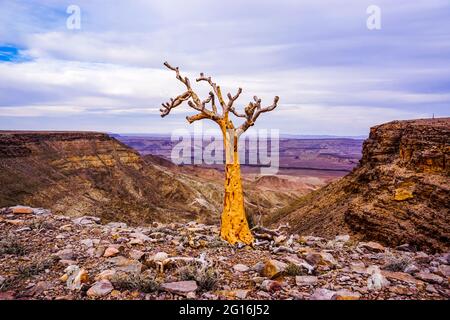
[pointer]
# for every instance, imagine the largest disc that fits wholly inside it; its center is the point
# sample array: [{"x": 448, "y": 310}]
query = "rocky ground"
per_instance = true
[{"x": 46, "y": 256}]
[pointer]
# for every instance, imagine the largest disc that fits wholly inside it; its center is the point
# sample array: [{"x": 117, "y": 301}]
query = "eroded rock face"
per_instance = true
[
  {"x": 87, "y": 173},
  {"x": 398, "y": 194}
]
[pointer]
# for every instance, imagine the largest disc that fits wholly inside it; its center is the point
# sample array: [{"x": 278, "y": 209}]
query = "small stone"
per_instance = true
[
  {"x": 444, "y": 270},
  {"x": 305, "y": 280},
  {"x": 372, "y": 246},
  {"x": 401, "y": 276},
  {"x": 422, "y": 257},
  {"x": 342, "y": 238},
  {"x": 67, "y": 262},
  {"x": 431, "y": 289},
  {"x": 180, "y": 287},
  {"x": 358, "y": 267},
  {"x": 66, "y": 227},
  {"x": 111, "y": 252},
  {"x": 346, "y": 295},
  {"x": 21, "y": 210},
  {"x": 65, "y": 254},
  {"x": 263, "y": 295},
  {"x": 271, "y": 285},
  {"x": 322, "y": 294},
  {"x": 86, "y": 220},
  {"x": 87, "y": 242},
  {"x": 411, "y": 268},
  {"x": 241, "y": 267},
  {"x": 429, "y": 277},
  {"x": 100, "y": 289},
  {"x": 160, "y": 256},
  {"x": 76, "y": 277},
  {"x": 135, "y": 241},
  {"x": 258, "y": 267},
  {"x": 99, "y": 251},
  {"x": 191, "y": 295},
  {"x": 140, "y": 236},
  {"x": 344, "y": 279},
  {"x": 376, "y": 280},
  {"x": 126, "y": 265},
  {"x": 321, "y": 258},
  {"x": 241, "y": 294},
  {"x": 273, "y": 268},
  {"x": 2, "y": 280},
  {"x": 107, "y": 274},
  {"x": 136, "y": 254},
  {"x": 40, "y": 287}
]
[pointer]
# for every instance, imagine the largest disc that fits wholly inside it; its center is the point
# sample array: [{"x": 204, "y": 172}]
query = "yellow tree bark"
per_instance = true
[{"x": 234, "y": 227}]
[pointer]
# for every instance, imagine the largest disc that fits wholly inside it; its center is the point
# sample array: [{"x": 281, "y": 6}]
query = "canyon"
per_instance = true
[
  {"x": 85, "y": 216},
  {"x": 398, "y": 192}
]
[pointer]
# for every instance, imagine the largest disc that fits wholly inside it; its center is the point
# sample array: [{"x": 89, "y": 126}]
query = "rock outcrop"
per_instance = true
[{"x": 399, "y": 193}]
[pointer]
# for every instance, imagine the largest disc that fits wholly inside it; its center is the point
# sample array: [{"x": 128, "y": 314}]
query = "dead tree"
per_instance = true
[{"x": 234, "y": 226}]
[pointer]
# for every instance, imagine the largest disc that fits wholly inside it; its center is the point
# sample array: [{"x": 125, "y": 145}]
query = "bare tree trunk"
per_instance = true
[{"x": 234, "y": 227}]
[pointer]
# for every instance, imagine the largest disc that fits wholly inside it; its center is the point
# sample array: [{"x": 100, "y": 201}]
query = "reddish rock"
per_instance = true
[
  {"x": 180, "y": 287},
  {"x": 372, "y": 246},
  {"x": 273, "y": 268},
  {"x": 429, "y": 277}
]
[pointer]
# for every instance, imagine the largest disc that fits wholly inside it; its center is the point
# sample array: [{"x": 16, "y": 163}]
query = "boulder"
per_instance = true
[
  {"x": 320, "y": 259},
  {"x": 322, "y": 294},
  {"x": 21, "y": 210},
  {"x": 271, "y": 285},
  {"x": 305, "y": 280},
  {"x": 376, "y": 280},
  {"x": 111, "y": 252},
  {"x": 76, "y": 277},
  {"x": 180, "y": 287},
  {"x": 346, "y": 295},
  {"x": 372, "y": 246},
  {"x": 241, "y": 267},
  {"x": 65, "y": 254},
  {"x": 100, "y": 289},
  {"x": 429, "y": 277},
  {"x": 273, "y": 268}
]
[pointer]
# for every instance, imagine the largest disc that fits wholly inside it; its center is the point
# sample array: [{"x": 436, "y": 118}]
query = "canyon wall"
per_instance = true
[{"x": 399, "y": 193}]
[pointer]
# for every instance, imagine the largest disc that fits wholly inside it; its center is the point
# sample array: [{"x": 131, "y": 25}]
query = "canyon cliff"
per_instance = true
[
  {"x": 399, "y": 192},
  {"x": 90, "y": 173}
]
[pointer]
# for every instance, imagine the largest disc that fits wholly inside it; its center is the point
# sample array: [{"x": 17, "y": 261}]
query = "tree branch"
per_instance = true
[
  {"x": 215, "y": 87},
  {"x": 195, "y": 103},
  {"x": 232, "y": 99},
  {"x": 253, "y": 110}
]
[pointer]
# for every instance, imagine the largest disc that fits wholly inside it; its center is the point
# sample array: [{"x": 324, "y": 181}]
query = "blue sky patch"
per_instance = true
[{"x": 11, "y": 53}]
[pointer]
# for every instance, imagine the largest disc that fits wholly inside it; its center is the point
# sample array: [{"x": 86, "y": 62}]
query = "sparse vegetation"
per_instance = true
[
  {"x": 8, "y": 283},
  {"x": 10, "y": 245},
  {"x": 206, "y": 278},
  {"x": 397, "y": 264},
  {"x": 35, "y": 267},
  {"x": 144, "y": 282},
  {"x": 293, "y": 270}
]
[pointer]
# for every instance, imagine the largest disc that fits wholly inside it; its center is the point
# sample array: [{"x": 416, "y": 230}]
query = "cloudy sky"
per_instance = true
[{"x": 333, "y": 75}]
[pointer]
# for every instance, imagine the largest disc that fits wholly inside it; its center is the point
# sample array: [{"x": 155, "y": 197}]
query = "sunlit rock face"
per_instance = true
[
  {"x": 398, "y": 194},
  {"x": 79, "y": 173}
]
